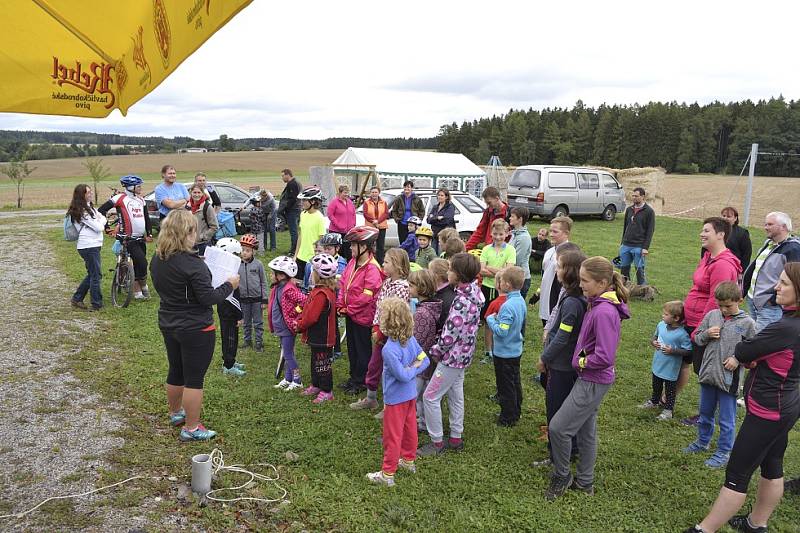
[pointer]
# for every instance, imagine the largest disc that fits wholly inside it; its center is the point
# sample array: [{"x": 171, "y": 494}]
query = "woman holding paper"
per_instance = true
[{"x": 186, "y": 319}]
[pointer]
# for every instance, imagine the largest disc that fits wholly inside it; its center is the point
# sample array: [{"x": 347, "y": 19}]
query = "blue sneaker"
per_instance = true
[
  {"x": 695, "y": 447},
  {"x": 718, "y": 460},
  {"x": 178, "y": 418},
  {"x": 200, "y": 433},
  {"x": 233, "y": 371}
]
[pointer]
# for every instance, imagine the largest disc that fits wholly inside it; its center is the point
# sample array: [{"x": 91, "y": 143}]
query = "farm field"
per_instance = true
[
  {"x": 695, "y": 196},
  {"x": 644, "y": 482}
]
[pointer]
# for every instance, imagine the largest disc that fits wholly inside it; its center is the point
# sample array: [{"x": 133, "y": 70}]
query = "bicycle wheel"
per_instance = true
[{"x": 122, "y": 284}]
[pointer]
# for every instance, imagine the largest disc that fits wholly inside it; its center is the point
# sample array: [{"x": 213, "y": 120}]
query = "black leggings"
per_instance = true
[
  {"x": 322, "y": 368},
  {"x": 671, "y": 387},
  {"x": 138, "y": 252},
  {"x": 189, "y": 354},
  {"x": 761, "y": 443},
  {"x": 359, "y": 350},
  {"x": 229, "y": 332}
]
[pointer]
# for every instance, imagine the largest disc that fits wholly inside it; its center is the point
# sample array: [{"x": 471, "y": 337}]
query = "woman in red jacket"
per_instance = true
[
  {"x": 376, "y": 214},
  {"x": 718, "y": 264}
]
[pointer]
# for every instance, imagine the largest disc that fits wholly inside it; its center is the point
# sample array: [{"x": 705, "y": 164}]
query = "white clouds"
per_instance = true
[{"x": 319, "y": 69}]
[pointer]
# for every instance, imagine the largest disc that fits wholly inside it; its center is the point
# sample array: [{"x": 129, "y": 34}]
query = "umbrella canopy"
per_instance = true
[{"x": 87, "y": 57}]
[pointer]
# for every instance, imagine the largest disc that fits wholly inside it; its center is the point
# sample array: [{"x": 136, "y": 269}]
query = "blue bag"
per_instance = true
[
  {"x": 70, "y": 233},
  {"x": 227, "y": 225}
]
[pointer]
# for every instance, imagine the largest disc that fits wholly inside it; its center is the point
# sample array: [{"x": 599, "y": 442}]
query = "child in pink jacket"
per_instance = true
[{"x": 285, "y": 306}]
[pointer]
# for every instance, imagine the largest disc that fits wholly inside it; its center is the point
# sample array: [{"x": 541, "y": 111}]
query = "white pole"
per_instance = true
[{"x": 749, "y": 196}]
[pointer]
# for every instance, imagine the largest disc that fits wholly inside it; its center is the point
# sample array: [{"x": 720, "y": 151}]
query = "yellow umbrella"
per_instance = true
[{"x": 86, "y": 57}]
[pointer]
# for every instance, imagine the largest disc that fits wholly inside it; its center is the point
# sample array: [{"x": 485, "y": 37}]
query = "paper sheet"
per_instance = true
[{"x": 222, "y": 265}]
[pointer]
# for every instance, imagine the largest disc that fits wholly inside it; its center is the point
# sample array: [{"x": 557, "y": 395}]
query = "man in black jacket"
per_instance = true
[
  {"x": 289, "y": 207},
  {"x": 637, "y": 232}
]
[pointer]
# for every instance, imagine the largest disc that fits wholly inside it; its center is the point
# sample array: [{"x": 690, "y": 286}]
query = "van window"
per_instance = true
[
  {"x": 526, "y": 177},
  {"x": 469, "y": 204},
  {"x": 561, "y": 180},
  {"x": 588, "y": 181},
  {"x": 609, "y": 182}
]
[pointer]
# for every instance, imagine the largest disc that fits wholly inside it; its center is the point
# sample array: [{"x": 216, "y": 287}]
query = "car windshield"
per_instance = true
[
  {"x": 469, "y": 204},
  {"x": 526, "y": 177}
]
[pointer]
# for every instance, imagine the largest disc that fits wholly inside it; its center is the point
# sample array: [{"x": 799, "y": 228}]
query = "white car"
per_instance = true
[{"x": 469, "y": 211}]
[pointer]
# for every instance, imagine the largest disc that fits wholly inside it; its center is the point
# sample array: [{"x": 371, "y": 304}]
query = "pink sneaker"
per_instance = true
[
  {"x": 323, "y": 397},
  {"x": 310, "y": 391}
]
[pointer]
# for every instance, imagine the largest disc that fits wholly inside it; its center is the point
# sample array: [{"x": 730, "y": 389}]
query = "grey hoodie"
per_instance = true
[
  {"x": 732, "y": 331},
  {"x": 252, "y": 282}
]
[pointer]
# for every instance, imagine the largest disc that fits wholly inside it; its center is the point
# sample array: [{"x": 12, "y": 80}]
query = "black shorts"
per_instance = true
[
  {"x": 138, "y": 252},
  {"x": 760, "y": 442},
  {"x": 189, "y": 354},
  {"x": 489, "y": 294}
]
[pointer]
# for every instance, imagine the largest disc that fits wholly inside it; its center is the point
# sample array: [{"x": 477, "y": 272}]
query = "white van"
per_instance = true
[{"x": 552, "y": 191}]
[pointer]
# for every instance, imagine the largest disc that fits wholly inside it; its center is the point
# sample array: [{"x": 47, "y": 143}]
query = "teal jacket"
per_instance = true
[{"x": 506, "y": 326}]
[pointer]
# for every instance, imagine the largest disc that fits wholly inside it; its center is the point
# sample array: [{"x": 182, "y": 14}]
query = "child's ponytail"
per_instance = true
[{"x": 619, "y": 287}]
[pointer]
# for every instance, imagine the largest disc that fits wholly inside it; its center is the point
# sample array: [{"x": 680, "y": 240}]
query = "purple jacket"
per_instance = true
[{"x": 599, "y": 338}]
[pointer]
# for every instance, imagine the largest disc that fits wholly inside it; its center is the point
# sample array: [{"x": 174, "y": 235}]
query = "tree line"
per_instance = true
[
  {"x": 33, "y": 145},
  {"x": 683, "y": 138}
]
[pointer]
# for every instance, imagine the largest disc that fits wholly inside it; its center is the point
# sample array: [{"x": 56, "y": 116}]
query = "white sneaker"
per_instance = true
[
  {"x": 648, "y": 405},
  {"x": 740, "y": 402},
  {"x": 379, "y": 478},
  {"x": 282, "y": 384},
  {"x": 666, "y": 414},
  {"x": 293, "y": 385},
  {"x": 138, "y": 296}
]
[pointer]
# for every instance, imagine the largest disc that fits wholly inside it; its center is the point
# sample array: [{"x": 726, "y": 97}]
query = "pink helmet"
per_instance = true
[
  {"x": 284, "y": 264},
  {"x": 325, "y": 265}
]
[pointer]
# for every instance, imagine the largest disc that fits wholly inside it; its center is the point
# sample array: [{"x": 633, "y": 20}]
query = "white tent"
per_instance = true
[{"x": 390, "y": 168}]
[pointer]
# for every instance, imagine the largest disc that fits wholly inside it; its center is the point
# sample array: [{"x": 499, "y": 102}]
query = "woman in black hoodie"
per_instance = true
[
  {"x": 186, "y": 319},
  {"x": 739, "y": 240}
]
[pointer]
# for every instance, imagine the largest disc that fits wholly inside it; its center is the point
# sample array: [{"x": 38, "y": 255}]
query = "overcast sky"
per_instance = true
[{"x": 376, "y": 69}]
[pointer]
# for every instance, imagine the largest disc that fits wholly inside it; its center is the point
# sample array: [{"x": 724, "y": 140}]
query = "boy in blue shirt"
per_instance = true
[
  {"x": 411, "y": 245},
  {"x": 506, "y": 328}
]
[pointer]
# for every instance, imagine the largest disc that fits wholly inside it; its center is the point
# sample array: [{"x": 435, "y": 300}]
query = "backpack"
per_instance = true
[
  {"x": 70, "y": 233},
  {"x": 227, "y": 225}
]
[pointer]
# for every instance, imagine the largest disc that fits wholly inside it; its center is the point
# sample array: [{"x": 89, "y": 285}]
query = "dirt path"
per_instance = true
[{"x": 55, "y": 432}]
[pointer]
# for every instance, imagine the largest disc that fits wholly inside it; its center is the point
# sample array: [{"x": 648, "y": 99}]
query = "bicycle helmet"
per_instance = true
[
  {"x": 617, "y": 262},
  {"x": 415, "y": 220},
  {"x": 249, "y": 240},
  {"x": 476, "y": 252},
  {"x": 425, "y": 232},
  {"x": 324, "y": 265},
  {"x": 130, "y": 181},
  {"x": 364, "y": 234},
  {"x": 311, "y": 193},
  {"x": 331, "y": 239},
  {"x": 230, "y": 245},
  {"x": 284, "y": 264}
]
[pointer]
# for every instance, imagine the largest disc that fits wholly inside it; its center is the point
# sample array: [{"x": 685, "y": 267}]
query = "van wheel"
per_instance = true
[
  {"x": 609, "y": 213},
  {"x": 560, "y": 211}
]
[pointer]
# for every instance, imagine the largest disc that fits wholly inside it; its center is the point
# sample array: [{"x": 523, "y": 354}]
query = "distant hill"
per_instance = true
[{"x": 65, "y": 144}]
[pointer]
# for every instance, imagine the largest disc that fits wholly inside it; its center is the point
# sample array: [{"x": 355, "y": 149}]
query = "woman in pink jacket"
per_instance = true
[
  {"x": 358, "y": 289},
  {"x": 717, "y": 265},
  {"x": 342, "y": 217}
]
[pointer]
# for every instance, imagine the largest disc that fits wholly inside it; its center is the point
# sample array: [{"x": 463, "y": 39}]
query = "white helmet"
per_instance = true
[
  {"x": 324, "y": 265},
  {"x": 284, "y": 264},
  {"x": 230, "y": 245}
]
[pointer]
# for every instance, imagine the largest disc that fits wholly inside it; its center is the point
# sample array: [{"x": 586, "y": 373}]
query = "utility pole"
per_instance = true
[{"x": 748, "y": 198}]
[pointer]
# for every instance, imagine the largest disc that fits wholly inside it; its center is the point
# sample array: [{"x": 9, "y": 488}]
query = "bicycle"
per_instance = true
[{"x": 122, "y": 280}]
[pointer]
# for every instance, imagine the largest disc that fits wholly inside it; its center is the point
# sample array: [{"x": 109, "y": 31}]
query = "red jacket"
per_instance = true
[
  {"x": 318, "y": 321},
  {"x": 708, "y": 274},
  {"x": 358, "y": 291},
  {"x": 483, "y": 233}
]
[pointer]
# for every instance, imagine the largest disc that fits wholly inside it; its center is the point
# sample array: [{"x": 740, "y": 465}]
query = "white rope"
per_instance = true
[
  {"x": 32, "y": 509},
  {"x": 218, "y": 464},
  {"x": 684, "y": 211}
]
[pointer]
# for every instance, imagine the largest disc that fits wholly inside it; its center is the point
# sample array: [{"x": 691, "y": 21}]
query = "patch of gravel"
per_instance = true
[{"x": 55, "y": 432}]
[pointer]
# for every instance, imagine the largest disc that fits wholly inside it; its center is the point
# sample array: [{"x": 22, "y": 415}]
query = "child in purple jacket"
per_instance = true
[{"x": 593, "y": 360}]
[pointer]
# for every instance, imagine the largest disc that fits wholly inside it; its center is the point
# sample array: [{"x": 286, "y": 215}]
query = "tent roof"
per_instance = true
[{"x": 409, "y": 162}]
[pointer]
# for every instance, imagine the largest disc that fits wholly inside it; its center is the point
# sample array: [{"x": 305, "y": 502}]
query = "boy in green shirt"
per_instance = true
[
  {"x": 425, "y": 253},
  {"x": 494, "y": 258}
]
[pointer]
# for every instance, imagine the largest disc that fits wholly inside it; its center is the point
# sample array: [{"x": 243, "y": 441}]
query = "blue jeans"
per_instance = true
[
  {"x": 764, "y": 316},
  {"x": 710, "y": 397},
  {"x": 292, "y": 221},
  {"x": 270, "y": 235},
  {"x": 91, "y": 283},
  {"x": 628, "y": 255}
]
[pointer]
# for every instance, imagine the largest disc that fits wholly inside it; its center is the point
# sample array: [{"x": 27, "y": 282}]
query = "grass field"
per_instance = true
[{"x": 643, "y": 483}]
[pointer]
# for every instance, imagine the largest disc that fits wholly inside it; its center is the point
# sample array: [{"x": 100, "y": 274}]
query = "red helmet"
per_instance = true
[
  {"x": 364, "y": 234},
  {"x": 249, "y": 240}
]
